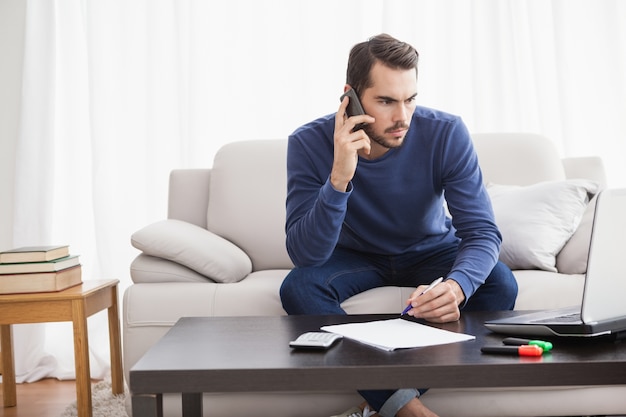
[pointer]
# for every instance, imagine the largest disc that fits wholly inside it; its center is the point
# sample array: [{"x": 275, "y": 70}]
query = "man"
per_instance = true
[{"x": 365, "y": 207}]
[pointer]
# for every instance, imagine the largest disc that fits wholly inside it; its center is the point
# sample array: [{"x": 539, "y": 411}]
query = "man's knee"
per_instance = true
[
  {"x": 300, "y": 288},
  {"x": 503, "y": 276},
  {"x": 291, "y": 285},
  {"x": 499, "y": 291},
  {"x": 288, "y": 293}
]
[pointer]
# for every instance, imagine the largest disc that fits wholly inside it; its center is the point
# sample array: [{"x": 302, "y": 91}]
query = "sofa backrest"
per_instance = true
[
  {"x": 248, "y": 187},
  {"x": 188, "y": 196},
  {"x": 247, "y": 200},
  {"x": 517, "y": 158}
]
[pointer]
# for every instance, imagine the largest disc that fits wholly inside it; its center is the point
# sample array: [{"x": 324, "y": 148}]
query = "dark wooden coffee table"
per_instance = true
[{"x": 240, "y": 354}]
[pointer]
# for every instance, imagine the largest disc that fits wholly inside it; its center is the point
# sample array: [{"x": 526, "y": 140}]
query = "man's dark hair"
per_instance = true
[{"x": 383, "y": 48}]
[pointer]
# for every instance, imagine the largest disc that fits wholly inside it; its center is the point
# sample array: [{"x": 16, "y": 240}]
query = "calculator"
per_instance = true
[{"x": 315, "y": 340}]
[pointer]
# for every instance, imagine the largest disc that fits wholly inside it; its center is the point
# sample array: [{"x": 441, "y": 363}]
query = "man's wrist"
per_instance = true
[
  {"x": 341, "y": 186},
  {"x": 457, "y": 290}
]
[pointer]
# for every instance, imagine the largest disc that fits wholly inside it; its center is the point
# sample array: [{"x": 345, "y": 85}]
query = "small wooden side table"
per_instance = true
[{"x": 74, "y": 304}]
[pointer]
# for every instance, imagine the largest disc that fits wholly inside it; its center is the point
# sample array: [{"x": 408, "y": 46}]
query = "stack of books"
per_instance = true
[{"x": 38, "y": 269}]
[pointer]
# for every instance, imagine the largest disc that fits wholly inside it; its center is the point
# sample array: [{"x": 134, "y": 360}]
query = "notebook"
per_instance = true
[{"x": 603, "y": 308}]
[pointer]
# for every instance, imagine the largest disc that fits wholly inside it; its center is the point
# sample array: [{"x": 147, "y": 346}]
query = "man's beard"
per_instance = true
[{"x": 380, "y": 139}]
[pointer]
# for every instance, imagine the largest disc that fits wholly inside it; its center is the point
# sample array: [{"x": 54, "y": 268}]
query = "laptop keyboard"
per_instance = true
[{"x": 566, "y": 318}]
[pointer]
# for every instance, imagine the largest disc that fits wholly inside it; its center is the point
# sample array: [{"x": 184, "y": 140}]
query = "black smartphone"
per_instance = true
[{"x": 354, "y": 107}]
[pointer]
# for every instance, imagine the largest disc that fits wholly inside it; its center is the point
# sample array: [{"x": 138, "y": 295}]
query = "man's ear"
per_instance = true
[{"x": 347, "y": 87}]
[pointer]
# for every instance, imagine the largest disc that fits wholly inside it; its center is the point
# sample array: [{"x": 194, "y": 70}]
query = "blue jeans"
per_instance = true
[{"x": 322, "y": 289}]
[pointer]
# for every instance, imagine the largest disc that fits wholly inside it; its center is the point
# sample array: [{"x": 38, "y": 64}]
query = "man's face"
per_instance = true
[{"x": 391, "y": 100}]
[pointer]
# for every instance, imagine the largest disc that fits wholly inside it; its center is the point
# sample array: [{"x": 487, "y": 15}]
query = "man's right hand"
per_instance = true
[{"x": 347, "y": 146}]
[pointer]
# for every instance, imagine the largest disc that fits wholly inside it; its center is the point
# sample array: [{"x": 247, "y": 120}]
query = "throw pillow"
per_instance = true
[
  {"x": 194, "y": 247},
  {"x": 536, "y": 221},
  {"x": 572, "y": 259}
]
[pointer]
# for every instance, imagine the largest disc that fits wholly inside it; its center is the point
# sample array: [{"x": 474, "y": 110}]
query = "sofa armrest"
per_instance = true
[
  {"x": 588, "y": 167},
  {"x": 188, "y": 198},
  {"x": 572, "y": 259}
]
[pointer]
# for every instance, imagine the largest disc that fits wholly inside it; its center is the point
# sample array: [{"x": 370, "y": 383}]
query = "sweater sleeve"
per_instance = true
[
  {"x": 315, "y": 210},
  {"x": 471, "y": 210}
]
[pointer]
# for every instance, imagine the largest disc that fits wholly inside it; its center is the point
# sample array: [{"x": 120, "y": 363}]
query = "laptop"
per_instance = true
[{"x": 603, "y": 308}]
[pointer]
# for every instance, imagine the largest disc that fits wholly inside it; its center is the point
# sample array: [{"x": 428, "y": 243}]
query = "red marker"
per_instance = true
[{"x": 526, "y": 350}]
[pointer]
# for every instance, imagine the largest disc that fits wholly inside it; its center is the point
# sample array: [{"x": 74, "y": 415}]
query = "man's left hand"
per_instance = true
[{"x": 438, "y": 305}]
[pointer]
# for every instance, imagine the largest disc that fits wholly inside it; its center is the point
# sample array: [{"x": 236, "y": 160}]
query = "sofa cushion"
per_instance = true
[
  {"x": 537, "y": 220},
  {"x": 151, "y": 269},
  {"x": 194, "y": 247}
]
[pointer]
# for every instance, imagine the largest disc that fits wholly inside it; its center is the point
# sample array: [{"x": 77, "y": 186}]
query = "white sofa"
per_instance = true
[{"x": 221, "y": 252}]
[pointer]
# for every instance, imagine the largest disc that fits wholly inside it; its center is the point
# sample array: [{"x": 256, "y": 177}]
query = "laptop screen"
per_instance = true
[{"x": 605, "y": 285}]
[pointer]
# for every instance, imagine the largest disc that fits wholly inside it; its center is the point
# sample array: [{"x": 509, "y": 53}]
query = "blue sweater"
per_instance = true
[{"x": 395, "y": 204}]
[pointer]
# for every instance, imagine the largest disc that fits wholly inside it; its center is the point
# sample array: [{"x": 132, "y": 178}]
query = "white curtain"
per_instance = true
[{"x": 117, "y": 93}]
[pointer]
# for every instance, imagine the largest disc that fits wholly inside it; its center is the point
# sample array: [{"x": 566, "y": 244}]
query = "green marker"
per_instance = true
[{"x": 514, "y": 341}]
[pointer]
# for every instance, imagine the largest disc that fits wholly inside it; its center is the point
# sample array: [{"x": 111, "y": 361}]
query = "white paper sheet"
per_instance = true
[{"x": 396, "y": 334}]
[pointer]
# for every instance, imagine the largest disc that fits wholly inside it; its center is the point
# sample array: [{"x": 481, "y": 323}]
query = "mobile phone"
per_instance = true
[{"x": 354, "y": 107}]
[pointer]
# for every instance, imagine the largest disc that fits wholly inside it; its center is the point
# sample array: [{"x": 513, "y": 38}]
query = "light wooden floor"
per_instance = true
[{"x": 45, "y": 398}]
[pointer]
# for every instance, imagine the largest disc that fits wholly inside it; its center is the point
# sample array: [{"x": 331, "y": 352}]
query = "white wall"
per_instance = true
[{"x": 12, "y": 13}]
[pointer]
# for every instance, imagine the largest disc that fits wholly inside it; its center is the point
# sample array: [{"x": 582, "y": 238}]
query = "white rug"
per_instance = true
[{"x": 105, "y": 404}]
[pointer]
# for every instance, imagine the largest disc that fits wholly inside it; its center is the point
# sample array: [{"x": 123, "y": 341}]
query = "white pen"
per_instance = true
[{"x": 430, "y": 287}]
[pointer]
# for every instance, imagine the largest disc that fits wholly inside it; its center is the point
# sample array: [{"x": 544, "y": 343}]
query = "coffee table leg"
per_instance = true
[
  {"x": 147, "y": 405},
  {"x": 8, "y": 366},
  {"x": 192, "y": 404},
  {"x": 81, "y": 359}
]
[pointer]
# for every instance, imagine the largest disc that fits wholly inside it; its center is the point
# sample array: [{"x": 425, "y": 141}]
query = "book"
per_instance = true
[
  {"x": 49, "y": 266},
  {"x": 40, "y": 281},
  {"x": 34, "y": 254}
]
